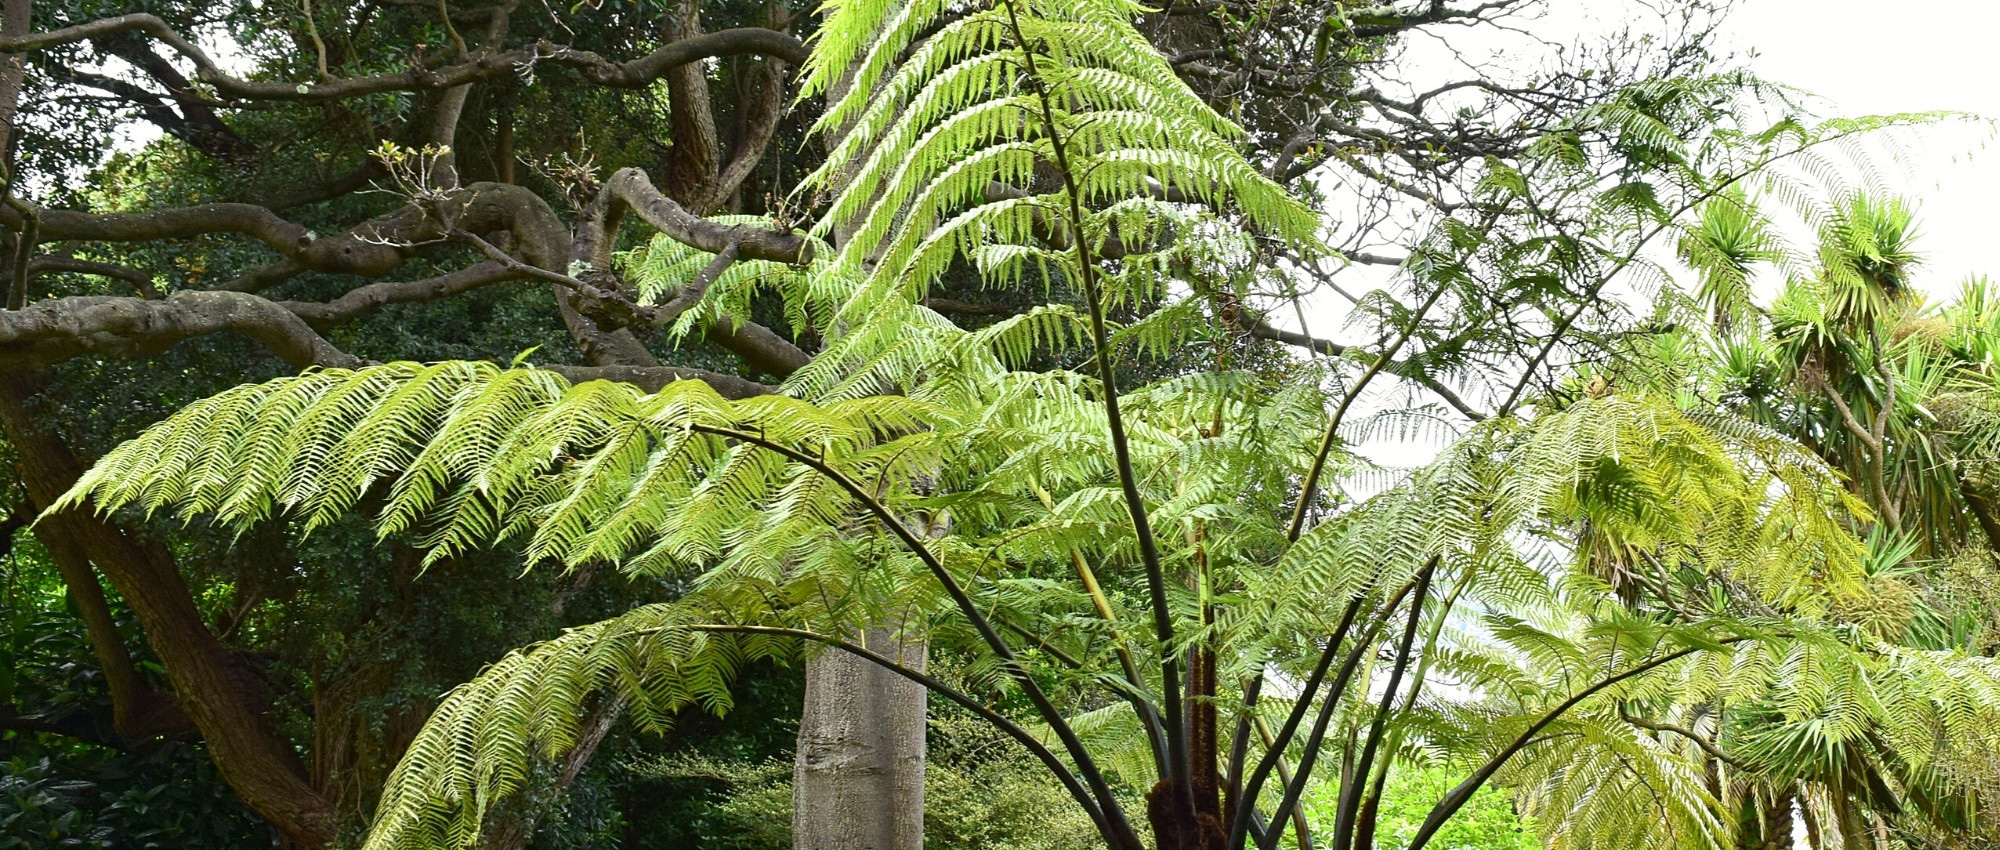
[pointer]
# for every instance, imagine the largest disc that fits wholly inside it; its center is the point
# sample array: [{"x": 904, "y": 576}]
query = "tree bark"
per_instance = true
[
  {"x": 138, "y": 713},
  {"x": 15, "y": 17},
  {"x": 858, "y": 778},
  {"x": 215, "y": 692}
]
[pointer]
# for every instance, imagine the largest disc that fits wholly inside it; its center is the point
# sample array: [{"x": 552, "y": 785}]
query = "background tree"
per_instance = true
[
  {"x": 766, "y": 494},
  {"x": 1850, "y": 360},
  {"x": 516, "y": 201}
]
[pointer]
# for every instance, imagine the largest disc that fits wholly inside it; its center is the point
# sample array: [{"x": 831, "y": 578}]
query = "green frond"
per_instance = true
[
  {"x": 486, "y": 739},
  {"x": 468, "y": 455}
]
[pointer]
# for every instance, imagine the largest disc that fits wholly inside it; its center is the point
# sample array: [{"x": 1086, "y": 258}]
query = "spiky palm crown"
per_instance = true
[
  {"x": 1845, "y": 331},
  {"x": 802, "y": 516}
]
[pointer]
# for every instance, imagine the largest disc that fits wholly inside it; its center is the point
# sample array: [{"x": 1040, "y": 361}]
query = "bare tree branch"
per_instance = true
[
  {"x": 759, "y": 346},
  {"x": 1400, "y": 368},
  {"x": 363, "y": 301},
  {"x": 58, "y": 329},
  {"x": 139, "y": 280},
  {"x": 691, "y": 294},
  {"x": 484, "y": 66},
  {"x": 629, "y": 188}
]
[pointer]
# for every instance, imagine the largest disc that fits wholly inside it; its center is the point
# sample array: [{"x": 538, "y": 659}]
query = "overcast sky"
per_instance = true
[
  {"x": 1862, "y": 57},
  {"x": 1869, "y": 58}
]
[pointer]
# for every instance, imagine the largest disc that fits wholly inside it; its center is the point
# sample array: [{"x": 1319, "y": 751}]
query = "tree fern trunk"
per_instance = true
[{"x": 858, "y": 778}]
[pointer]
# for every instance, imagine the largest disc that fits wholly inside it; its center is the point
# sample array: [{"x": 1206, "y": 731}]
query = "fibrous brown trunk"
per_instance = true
[
  {"x": 215, "y": 692},
  {"x": 858, "y": 777},
  {"x": 1771, "y": 827},
  {"x": 1204, "y": 749}
]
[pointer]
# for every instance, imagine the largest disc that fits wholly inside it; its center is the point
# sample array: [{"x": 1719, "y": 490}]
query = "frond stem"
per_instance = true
[
  {"x": 1121, "y": 833},
  {"x": 1351, "y": 793},
  {"x": 1310, "y": 486},
  {"x": 1149, "y": 714},
  {"x": 1175, "y": 720},
  {"x": 1239, "y": 828},
  {"x": 1239, "y": 746},
  {"x": 1371, "y": 805},
  {"x": 1457, "y": 796}
]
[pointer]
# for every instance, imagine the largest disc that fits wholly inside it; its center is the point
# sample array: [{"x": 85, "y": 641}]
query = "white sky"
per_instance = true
[
  {"x": 1861, "y": 57},
  {"x": 1869, "y": 58}
]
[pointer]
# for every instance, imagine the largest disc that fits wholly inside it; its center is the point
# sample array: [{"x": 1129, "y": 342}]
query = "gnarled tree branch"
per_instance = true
[
  {"x": 486, "y": 66},
  {"x": 58, "y": 329}
]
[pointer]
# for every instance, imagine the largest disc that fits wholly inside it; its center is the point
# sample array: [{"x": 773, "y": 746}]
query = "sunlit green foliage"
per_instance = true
[{"x": 1582, "y": 571}]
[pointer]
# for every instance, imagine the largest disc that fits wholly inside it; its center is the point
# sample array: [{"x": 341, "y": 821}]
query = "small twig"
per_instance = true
[
  {"x": 691, "y": 294},
  {"x": 444, "y": 15},
  {"x": 1705, "y": 744},
  {"x": 312, "y": 32},
  {"x": 494, "y": 253},
  {"x": 31, "y": 225}
]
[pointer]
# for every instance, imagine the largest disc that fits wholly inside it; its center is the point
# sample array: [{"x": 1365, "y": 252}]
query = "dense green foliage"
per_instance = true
[
  {"x": 1688, "y": 563},
  {"x": 980, "y": 792},
  {"x": 1488, "y": 822},
  {"x": 55, "y": 792}
]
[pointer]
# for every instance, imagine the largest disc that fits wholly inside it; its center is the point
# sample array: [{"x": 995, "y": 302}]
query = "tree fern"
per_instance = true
[{"x": 1087, "y": 545}]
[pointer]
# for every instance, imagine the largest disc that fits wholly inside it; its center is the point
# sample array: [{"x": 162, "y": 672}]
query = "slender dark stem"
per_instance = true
[
  {"x": 1128, "y": 479},
  {"x": 934, "y": 685},
  {"x": 1239, "y": 747},
  {"x": 1364, "y": 821},
  {"x": 1371, "y": 805},
  {"x": 1239, "y": 829},
  {"x": 1339, "y": 687},
  {"x": 1239, "y": 824},
  {"x": 1456, "y": 798},
  {"x": 1043, "y": 644},
  {"x": 1706, "y": 745},
  {"x": 1305, "y": 836},
  {"x": 1310, "y": 487},
  {"x": 1114, "y": 814},
  {"x": 1141, "y": 701},
  {"x": 1350, "y": 794}
]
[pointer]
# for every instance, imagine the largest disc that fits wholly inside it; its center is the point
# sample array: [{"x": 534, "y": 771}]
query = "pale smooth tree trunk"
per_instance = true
[
  {"x": 858, "y": 778},
  {"x": 858, "y": 772}
]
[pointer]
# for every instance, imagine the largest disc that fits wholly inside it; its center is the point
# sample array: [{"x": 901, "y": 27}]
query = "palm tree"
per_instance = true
[{"x": 1850, "y": 361}]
